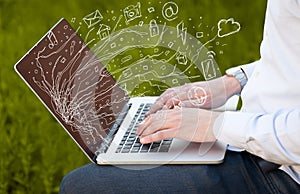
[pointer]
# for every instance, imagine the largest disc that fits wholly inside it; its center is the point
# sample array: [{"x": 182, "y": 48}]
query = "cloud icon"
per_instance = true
[{"x": 227, "y": 27}]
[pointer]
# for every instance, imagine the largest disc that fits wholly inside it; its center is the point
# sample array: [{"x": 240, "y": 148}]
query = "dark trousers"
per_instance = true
[{"x": 239, "y": 173}]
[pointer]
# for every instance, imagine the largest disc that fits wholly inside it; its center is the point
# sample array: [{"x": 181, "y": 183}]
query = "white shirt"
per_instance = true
[{"x": 269, "y": 122}]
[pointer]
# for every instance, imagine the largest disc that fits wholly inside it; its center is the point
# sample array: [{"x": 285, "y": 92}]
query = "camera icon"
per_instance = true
[{"x": 132, "y": 12}]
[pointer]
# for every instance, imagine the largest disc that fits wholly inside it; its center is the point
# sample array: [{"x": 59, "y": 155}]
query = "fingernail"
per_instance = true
[{"x": 142, "y": 140}]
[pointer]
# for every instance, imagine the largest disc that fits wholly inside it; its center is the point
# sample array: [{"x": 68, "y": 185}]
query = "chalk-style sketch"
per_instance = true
[
  {"x": 151, "y": 9},
  {"x": 182, "y": 59},
  {"x": 197, "y": 96},
  {"x": 132, "y": 12},
  {"x": 52, "y": 40},
  {"x": 199, "y": 34},
  {"x": 228, "y": 27},
  {"x": 181, "y": 32},
  {"x": 170, "y": 11},
  {"x": 209, "y": 69},
  {"x": 127, "y": 73},
  {"x": 78, "y": 86},
  {"x": 93, "y": 18},
  {"x": 150, "y": 54},
  {"x": 153, "y": 28},
  {"x": 160, "y": 64},
  {"x": 103, "y": 31},
  {"x": 126, "y": 58}
]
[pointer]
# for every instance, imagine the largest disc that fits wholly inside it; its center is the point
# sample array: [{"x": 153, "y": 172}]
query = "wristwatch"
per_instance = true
[{"x": 239, "y": 74}]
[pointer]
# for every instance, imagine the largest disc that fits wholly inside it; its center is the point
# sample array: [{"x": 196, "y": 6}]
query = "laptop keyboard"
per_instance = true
[{"x": 130, "y": 142}]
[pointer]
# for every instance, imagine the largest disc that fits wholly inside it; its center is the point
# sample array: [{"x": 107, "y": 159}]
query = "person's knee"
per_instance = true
[
  {"x": 78, "y": 181},
  {"x": 65, "y": 184},
  {"x": 70, "y": 183}
]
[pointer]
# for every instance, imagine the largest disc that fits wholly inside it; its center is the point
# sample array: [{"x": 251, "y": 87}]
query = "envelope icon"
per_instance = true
[{"x": 93, "y": 18}]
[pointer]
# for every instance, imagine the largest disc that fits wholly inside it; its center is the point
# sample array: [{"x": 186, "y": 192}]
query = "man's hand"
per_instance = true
[
  {"x": 191, "y": 124},
  {"x": 207, "y": 95}
]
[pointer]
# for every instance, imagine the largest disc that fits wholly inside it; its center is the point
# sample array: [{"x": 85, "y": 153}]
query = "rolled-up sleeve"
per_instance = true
[{"x": 274, "y": 137}]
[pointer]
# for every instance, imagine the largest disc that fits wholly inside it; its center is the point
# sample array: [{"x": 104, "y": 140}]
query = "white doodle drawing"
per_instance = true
[
  {"x": 228, "y": 27},
  {"x": 145, "y": 67},
  {"x": 73, "y": 43},
  {"x": 181, "y": 32},
  {"x": 93, "y": 18},
  {"x": 197, "y": 96},
  {"x": 175, "y": 81},
  {"x": 126, "y": 58},
  {"x": 136, "y": 37},
  {"x": 170, "y": 45},
  {"x": 199, "y": 34},
  {"x": 141, "y": 23},
  {"x": 132, "y": 12},
  {"x": 153, "y": 28},
  {"x": 127, "y": 73},
  {"x": 117, "y": 24},
  {"x": 151, "y": 9},
  {"x": 72, "y": 87},
  {"x": 167, "y": 52},
  {"x": 209, "y": 68},
  {"x": 211, "y": 54},
  {"x": 52, "y": 40},
  {"x": 163, "y": 67},
  {"x": 160, "y": 68},
  {"x": 170, "y": 11},
  {"x": 182, "y": 59},
  {"x": 78, "y": 103},
  {"x": 103, "y": 31},
  {"x": 113, "y": 45},
  {"x": 63, "y": 60}
]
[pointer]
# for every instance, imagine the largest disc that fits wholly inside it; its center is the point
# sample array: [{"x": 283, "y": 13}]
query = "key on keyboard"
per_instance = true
[{"x": 130, "y": 142}]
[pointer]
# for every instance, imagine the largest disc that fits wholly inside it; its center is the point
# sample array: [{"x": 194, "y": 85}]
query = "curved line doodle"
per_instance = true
[{"x": 147, "y": 54}]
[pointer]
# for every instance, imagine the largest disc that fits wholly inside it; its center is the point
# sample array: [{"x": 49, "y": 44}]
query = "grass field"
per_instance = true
[{"x": 35, "y": 152}]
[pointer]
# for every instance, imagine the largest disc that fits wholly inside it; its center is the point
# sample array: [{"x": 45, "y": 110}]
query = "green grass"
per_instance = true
[{"x": 35, "y": 152}]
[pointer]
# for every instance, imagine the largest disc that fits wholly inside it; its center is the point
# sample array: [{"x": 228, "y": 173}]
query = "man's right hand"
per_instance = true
[{"x": 206, "y": 95}]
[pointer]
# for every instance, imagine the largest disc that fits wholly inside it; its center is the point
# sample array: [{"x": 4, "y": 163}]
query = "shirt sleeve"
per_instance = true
[
  {"x": 274, "y": 137},
  {"x": 248, "y": 68}
]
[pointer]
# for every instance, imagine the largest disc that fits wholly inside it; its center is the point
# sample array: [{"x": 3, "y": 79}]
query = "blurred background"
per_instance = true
[{"x": 35, "y": 151}]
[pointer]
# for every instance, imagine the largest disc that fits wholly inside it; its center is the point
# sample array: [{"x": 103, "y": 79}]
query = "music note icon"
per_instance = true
[{"x": 52, "y": 38}]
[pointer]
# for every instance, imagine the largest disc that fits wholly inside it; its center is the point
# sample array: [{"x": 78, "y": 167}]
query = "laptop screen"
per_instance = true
[{"x": 73, "y": 85}]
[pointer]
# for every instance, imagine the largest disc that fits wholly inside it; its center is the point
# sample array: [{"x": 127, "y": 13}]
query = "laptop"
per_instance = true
[{"x": 94, "y": 110}]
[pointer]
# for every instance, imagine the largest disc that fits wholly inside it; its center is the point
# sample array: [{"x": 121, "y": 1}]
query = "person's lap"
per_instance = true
[{"x": 239, "y": 173}]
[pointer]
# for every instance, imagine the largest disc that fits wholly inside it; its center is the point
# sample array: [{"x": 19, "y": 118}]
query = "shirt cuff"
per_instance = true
[
  {"x": 230, "y": 128},
  {"x": 249, "y": 68}
]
